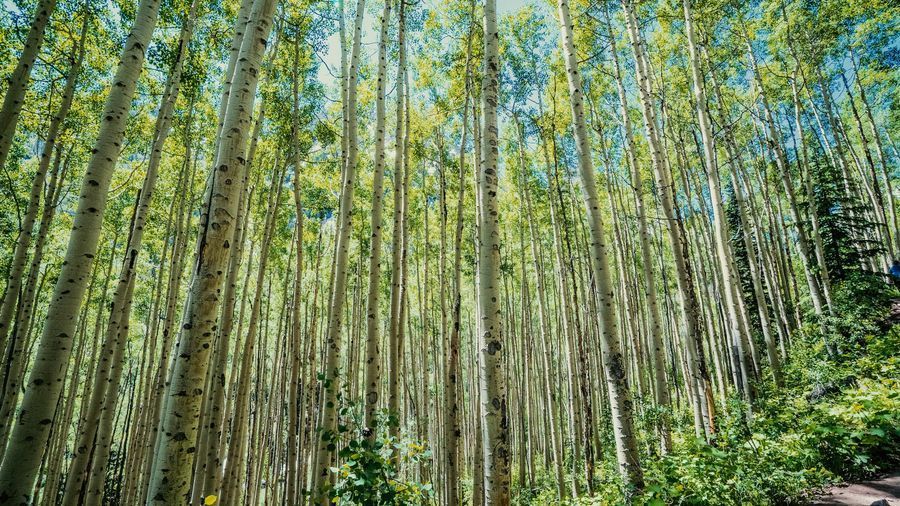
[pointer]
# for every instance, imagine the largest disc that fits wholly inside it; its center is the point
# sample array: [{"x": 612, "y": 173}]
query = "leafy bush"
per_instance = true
[{"x": 369, "y": 466}]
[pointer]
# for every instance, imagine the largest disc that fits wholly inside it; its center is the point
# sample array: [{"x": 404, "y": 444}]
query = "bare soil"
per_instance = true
[{"x": 863, "y": 493}]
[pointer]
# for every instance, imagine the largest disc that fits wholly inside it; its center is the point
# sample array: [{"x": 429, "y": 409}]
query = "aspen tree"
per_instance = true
[
  {"x": 660, "y": 389},
  {"x": 819, "y": 292},
  {"x": 14, "y": 284},
  {"x": 492, "y": 353},
  {"x": 452, "y": 430},
  {"x": 721, "y": 233},
  {"x": 294, "y": 395},
  {"x": 171, "y": 473},
  {"x": 890, "y": 203},
  {"x": 23, "y": 241},
  {"x": 543, "y": 317},
  {"x": 395, "y": 351},
  {"x": 617, "y": 383},
  {"x": 22, "y": 457},
  {"x": 235, "y": 460},
  {"x": 328, "y": 413},
  {"x": 96, "y": 432},
  {"x": 690, "y": 310},
  {"x": 14, "y": 99},
  {"x": 373, "y": 322}
]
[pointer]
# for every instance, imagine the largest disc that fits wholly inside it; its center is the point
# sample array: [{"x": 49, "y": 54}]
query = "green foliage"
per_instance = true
[
  {"x": 369, "y": 466},
  {"x": 843, "y": 222},
  {"x": 859, "y": 301}
]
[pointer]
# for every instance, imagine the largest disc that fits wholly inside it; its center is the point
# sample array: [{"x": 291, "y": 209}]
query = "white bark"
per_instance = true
[
  {"x": 620, "y": 401},
  {"x": 171, "y": 474},
  {"x": 492, "y": 363},
  {"x": 23, "y": 456}
]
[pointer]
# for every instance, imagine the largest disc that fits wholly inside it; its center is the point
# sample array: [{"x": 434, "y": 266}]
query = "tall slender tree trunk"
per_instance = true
[
  {"x": 235, "y": 460},
  {"x": 171, "y": 474},
  {"x": 328, "y": 414},
  {"x": 493, "y": 352},
  {"x": 395, "y": 352},
  {"x": 698, "y": 381},
  {"x": 373, "y": 320},
  {"x": 92, "y": 449},
  {"x": 657, "y": 355},
  {"x": 451, "y": 426},
  {"x": 294, "y": 485},
  {"x": 23, "y": 316},
  {"x": 23, "y": 457},
  {"x": 15, "y": 95},
  {"x": 549, "y": 389},
  {"x": 820, "y": 293},
  {"x": 616, "y": 380},
  {"x": 721, "y": 233}
]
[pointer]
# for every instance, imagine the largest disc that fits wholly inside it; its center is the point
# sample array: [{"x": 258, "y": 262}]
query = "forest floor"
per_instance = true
[{"x": 863, "y": 493}]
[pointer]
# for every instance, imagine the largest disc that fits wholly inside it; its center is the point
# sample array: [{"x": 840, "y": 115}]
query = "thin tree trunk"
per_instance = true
[
  {"x": 23, "y": 457},
  {"x": 15, "y": 93},
  {"x": 493, "y": 376},
  {"x": 616, "y": 380},
  {"x": 451, "y": 424},
  {"x": 373, "y": 321},
  {"x": 328, "y": 413},
  {"x": 171, "y": 474}
]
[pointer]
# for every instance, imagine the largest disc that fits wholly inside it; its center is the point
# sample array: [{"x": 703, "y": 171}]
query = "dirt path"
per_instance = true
[{"x": 864, "y": 493}]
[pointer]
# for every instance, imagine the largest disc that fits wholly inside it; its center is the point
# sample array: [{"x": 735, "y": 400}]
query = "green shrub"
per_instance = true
[{"x": 369, "y": 466}]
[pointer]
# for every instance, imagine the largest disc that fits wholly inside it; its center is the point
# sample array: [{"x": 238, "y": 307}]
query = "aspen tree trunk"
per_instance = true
[
  {"x": 292, "y": 495},
  {"x": 721, "y": 233},
  {"x": 235, "y": 459},
  {"x": 817, "y": 238},
  {"x": 581, "y": 398},
  {"x": 241, "y": 25},
  {"x": 55, "y": 457},
  {"x": 402, "y": 315},
  {"x": 170, "y": 477},
  {"x": 214, "y": 445},
  {"x": 807, "y": 180},
  {"x": 879, "y": 202},
  {"x": 138, "y": 430},
  {"x": 373, "y": 321},
  {"x": 395, "y": 352},
  {"x": 563, "y": 297},
  {"x": 207, "y": 472},
  {"x": 545, "y": 333},
  {"x": 617, "y": 383},
  {"x": 698, "y": 381},
  {"x": 328, "y": 414},
  {"x": 92, "y": 449},
  {"x": 893, "y": 226},
  {"x": 20, "y": 251},
  {"x": 155, "y": 398},
  {"x": 23, "y": 316},
  {"x": 31, "y": 287},
  {"x": 657, "y": 357},
  {"x": 493, "y": 377},
  {"x": 755, "y": 277},
  {"x": 451, "y": 425},
  {"x": 23, "y": 457},
  {"x": 15, "y": 96},
  {"x": 820, "y": 293},
  {"x": 478, "y": 475}
]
